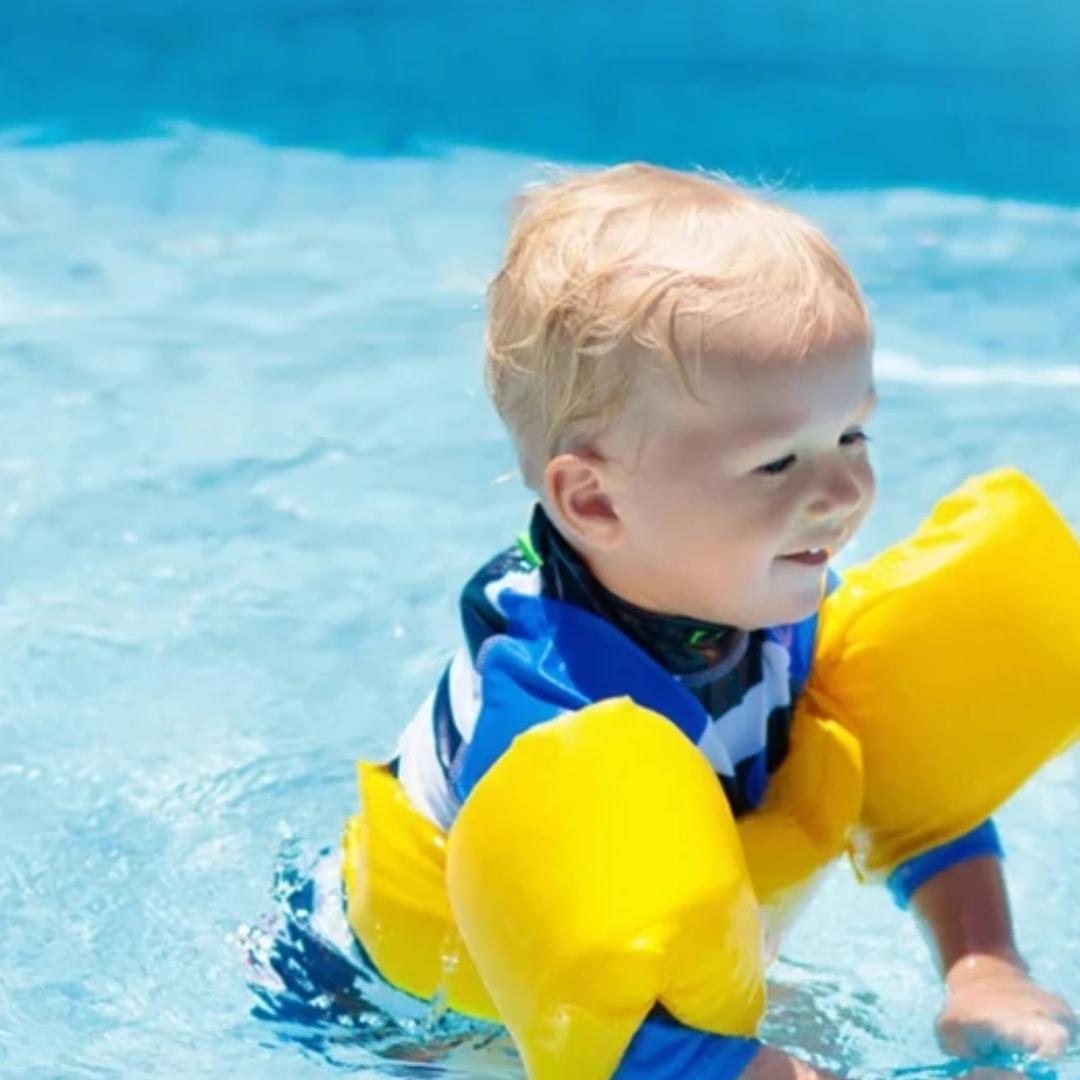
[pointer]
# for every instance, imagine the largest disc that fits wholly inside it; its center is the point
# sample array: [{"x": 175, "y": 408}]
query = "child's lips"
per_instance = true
[{"x": 809, "y": 557}]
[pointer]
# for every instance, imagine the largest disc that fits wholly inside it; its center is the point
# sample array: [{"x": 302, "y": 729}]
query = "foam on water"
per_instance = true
[
  {"x": 896, "y": 368},
  {"x": 247, "y": 463}
]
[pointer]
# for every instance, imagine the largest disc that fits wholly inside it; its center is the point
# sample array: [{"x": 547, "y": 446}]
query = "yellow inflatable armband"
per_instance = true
[
  {"x": 594, "y": 871},
  {"x": 806, "y": 819},
  {"x": 394, "y": 872},
  {"x": 954, "y": 659}
]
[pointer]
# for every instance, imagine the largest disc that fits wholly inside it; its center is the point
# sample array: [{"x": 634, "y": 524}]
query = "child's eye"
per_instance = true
[
  {"x": 777, "y": 467},
  {"x": 855, "y": 437}
]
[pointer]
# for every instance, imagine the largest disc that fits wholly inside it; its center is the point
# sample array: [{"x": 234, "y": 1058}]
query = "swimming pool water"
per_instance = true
[{"x": 246, "y": 464}]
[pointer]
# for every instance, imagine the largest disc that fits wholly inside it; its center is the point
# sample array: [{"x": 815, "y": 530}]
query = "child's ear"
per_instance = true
[{"x": 578, "y": 494}]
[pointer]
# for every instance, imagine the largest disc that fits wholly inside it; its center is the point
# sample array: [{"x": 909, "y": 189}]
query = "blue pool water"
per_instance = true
[{"x": 245, "y": 464}]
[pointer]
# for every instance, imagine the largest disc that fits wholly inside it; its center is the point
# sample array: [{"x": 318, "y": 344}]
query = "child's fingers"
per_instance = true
[{"x": 1045, "y": 1037}]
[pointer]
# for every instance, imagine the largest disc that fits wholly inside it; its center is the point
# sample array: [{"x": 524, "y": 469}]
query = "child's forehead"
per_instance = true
[{"x": 743, "y": 402}]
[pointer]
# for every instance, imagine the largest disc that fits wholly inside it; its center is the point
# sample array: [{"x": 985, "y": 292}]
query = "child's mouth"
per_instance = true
[{"x": 810, "y": 557}]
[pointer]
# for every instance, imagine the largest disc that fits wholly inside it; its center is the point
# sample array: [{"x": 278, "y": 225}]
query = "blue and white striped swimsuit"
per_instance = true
[{"x": 744, "y": 683}]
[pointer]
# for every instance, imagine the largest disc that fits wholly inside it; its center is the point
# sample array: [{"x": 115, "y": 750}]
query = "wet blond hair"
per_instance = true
[{"x": 605, "y": 271}]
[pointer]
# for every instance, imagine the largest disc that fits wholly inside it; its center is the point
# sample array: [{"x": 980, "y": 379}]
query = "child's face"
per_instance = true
[{"x": 730, "y": 507}]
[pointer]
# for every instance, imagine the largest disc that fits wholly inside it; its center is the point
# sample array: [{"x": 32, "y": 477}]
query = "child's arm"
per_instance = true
[{"x": 992, "y": 1003}]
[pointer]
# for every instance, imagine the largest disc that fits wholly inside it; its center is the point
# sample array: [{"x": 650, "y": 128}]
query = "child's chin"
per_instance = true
[
  {"x": 795, "y": 607},
  {"x": 778, "y": 614},
  {"x": 776, "y": 607}
]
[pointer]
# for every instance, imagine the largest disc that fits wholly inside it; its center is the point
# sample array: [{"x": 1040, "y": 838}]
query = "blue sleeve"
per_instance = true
[
  {"x": 909, "y": 876},
  {"x": 664, "y": 1049},
  {"x": 556, "y": 658}
]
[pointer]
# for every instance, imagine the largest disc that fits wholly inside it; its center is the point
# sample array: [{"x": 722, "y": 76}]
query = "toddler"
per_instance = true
[{"x": 686, "y": 370}]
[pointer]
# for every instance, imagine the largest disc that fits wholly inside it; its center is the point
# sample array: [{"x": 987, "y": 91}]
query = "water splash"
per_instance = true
[{"x": 316, "y": 990}]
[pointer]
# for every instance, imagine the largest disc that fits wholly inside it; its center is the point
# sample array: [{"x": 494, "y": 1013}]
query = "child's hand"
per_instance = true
[{"x": 993, "y": 1006}]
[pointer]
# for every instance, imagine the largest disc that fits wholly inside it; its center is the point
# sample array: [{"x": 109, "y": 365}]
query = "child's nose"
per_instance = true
[{"x": 840, "y": 492}]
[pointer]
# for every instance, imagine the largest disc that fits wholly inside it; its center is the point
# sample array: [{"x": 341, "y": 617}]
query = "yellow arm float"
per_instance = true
[
  {"x": 954, "y": 659},
  {"x": 394, "y": 872},
  {"x": 806, "y": 818},
  {"x": 594, "y": 871}
]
